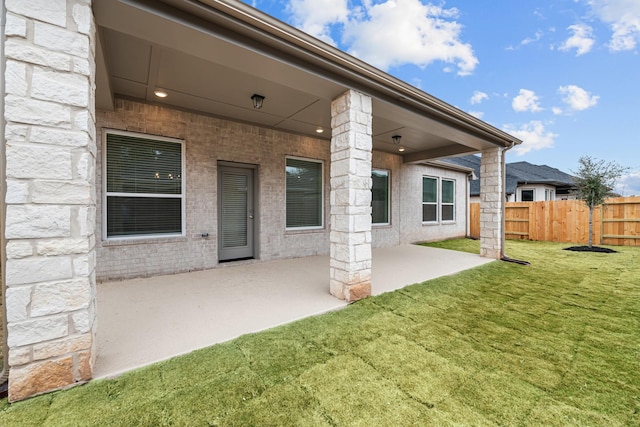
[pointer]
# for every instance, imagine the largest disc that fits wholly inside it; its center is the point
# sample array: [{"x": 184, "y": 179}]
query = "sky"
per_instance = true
[{"x": 561, "y": 75}]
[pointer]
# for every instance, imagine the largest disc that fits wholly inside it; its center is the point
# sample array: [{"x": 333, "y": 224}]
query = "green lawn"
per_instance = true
[{"x": 556, "y": 343}]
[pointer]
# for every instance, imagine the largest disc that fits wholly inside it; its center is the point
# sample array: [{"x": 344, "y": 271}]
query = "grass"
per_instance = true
[{"x": 556, "y": 343}]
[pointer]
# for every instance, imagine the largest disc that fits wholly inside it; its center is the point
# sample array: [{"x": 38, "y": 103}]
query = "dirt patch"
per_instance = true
[{"x": 591, "y": 249}]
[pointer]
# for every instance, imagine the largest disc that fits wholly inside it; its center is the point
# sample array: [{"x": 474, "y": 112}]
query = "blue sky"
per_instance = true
[{"x": 562, "y": 75}]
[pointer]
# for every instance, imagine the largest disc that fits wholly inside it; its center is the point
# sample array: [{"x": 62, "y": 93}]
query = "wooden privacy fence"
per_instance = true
[{"x": 616, "y": 222}]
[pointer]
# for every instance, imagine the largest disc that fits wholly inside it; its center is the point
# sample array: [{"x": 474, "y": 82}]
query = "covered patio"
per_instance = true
[{"x": 147, "y": 320}]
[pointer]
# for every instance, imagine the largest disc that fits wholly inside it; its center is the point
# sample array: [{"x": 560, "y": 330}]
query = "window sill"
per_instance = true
[
  {"x": 143, "y": 241},
  {"x": 294, "y": 231}
]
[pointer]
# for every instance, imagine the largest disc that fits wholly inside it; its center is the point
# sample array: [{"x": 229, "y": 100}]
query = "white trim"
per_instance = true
[
  {"x": 182, "y": 195},
  {"x": 422, "y": 202},
  {"x": 453, "y": 204},
  {"x": 315, "y": 227},
  {"x": 533, "y": 194}
]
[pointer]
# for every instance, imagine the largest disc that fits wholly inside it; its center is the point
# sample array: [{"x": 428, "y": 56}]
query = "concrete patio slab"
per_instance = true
[{"x": 142, "y": 321}]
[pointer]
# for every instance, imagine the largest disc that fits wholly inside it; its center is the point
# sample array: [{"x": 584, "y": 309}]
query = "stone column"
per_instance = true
[
  {"x": 350, "y": 266},
  {"x": 492, "y": 199},
  {"x": 49, "y": 226}
]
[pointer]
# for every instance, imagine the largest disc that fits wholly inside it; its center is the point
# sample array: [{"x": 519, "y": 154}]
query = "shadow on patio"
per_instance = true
[{"x": 142, "y": 321}]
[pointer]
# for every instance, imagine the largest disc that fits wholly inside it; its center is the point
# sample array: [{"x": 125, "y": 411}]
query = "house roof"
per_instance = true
[
  {"x": 517, "y": 173},
  {"x": 210, "y": 56}
]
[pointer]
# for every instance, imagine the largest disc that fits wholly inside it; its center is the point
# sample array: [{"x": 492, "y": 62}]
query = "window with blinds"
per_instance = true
[
  {"x": 379, "y": 196},
  {"x": 429, "y": 199},
  {"x": 304, "y": 203},
  {"x": 447, "y": 205},
  {"x": 144, "y": 186}
]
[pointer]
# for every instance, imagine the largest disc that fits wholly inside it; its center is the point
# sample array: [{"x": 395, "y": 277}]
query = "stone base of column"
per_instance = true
[
  {"x": 350, "y": 293},
  {"x": 490, "y": 253}
]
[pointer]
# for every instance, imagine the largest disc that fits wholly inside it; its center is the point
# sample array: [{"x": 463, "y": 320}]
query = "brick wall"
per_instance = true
[{"x": 209, "y": 140}]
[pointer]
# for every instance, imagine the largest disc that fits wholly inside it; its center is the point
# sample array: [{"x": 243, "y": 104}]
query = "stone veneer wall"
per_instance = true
[
  {"x": 351, "y": 153},
  {"x": 50, "y": 199},
  {"x": 491, "y": 203}
]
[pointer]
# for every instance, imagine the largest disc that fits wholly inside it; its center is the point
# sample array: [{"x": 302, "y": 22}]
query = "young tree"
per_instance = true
[{"x": 595, "y": 180}]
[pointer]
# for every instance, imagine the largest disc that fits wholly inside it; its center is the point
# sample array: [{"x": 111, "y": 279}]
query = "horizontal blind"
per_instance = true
[
  {"x": 234, "y": 210},
  {"x": 448, "y": 198},
  {"x": 379, "y": 197},
  {"x": 130, "y": 216},
  {"x": 304, "y": 193},
  {"x": 144, "y": 186},
  {"x": 139, "y": 165},
  {"x": 429, "y": 199}
]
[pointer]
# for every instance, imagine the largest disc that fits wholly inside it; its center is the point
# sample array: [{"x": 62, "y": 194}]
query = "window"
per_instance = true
[
  {"x": 304, "y": 193},
  {"x": 527, "y": 195},
  {"x": 429, "y": 199},
  {"x": 144, "y": 194},
  {"x": 549, "y": 194},
  {"x": 379, "y": 196},
  {"x": 448, "y": 200},
  {"x": 432, "y": 198}
]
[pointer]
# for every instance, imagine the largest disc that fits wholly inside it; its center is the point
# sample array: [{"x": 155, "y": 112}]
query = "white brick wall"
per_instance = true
[{"x": 209, "y": 140}]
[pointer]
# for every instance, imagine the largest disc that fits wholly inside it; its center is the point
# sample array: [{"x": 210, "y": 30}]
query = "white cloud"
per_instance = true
[
  {"x": 316, "y": 17},
  {"x": 623, "y": 16},
  {"x": 533, "y": 39},
  {"x": 397, "y": 32},
  {"x": 582, "y": 39},
  {"x": 477, "y": 114},
  {"x": 478, "y": 97},
  {"x": 533, "y": 135},
  {"x": 576, "y": 98},
  {"x": 388, "y": 33},
  {"x": 629, "y": 184},
  {"x": 527, "y": 100}
]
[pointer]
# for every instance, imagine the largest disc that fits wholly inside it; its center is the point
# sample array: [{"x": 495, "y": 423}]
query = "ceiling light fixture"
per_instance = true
[
  {"x": 319, "y": 130},
  {"x": 160, "y": 93},
  {"x": 396, "y": 140},
  {"x": 257, "y": 101}
]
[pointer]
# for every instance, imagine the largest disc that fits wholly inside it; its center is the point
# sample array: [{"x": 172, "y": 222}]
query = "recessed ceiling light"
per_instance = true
[
  {"x": 160, "y": 93},
  {"x": 401, "y": 149},
  {"x": 319, "y": 130}
]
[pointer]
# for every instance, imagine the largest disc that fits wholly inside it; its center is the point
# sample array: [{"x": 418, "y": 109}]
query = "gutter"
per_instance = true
[
  {"x": 4, "y": 372},
  {"x": 503, "y": 256}
]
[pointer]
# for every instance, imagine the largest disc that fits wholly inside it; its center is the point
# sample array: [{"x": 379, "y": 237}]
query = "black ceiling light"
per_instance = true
[
  {"x": 396, "y": 140},
  {"x": 257, "y": 101}
]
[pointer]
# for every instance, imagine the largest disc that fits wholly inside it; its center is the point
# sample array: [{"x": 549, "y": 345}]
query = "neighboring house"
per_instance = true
[
  {"x": 525, "y": 182},
  {"x": 152, "y": 137}
]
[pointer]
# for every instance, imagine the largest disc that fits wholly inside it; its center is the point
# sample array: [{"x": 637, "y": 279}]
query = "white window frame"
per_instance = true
[
  {"x": 533, "y": 194},
  {"x": 388, "y": 172},
  {"x": 452, "y": 204},
  {"x": 315, "y": 227},
  {"x": 436, "y": 203},
  {"x": 105, "y": 194},
  {"x": 549, "y": 194}
]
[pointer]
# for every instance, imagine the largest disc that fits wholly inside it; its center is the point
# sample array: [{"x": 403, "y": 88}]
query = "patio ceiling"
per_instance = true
[{"x": 211, "y": 56}]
